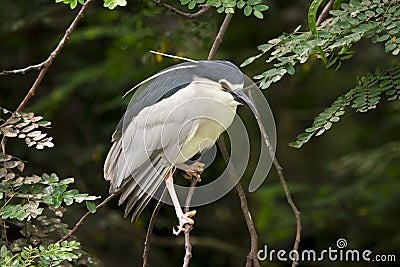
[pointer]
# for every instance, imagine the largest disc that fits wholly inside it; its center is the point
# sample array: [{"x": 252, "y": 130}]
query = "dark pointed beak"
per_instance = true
[{"x": 242, "y": 98}]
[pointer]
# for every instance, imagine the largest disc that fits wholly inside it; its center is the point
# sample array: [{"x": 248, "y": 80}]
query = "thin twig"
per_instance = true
[
  {"x": 188, "y": 228},
  {"x": 84, "y": 217},
  {"x": 173, "y": 10},
  {"x": 23, "y": 70},
  {"x": 252, "y": 259},
  {"x": 324, "y": 12},
  {"x": 147, "y": 241},
  {"x": 220, "y": 36},
  {"x": 282, "y": 179},
  {"x": 296, "y": 212}
]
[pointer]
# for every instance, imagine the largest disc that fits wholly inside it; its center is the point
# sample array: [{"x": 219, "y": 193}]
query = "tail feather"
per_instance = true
[
  {"x": 141, "y": 192},
  {"x": 147, "y": 196}
]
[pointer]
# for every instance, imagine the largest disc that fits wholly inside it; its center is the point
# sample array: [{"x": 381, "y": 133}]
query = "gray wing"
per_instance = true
[{"x": 140, "y": 158}]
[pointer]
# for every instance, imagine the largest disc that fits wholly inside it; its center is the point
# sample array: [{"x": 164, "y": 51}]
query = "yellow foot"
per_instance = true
[
  {"x": 184, "y": 219},
  {"x": 192, "y": 171}
]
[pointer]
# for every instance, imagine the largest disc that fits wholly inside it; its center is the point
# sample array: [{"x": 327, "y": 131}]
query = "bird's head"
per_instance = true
[{"x": 228, "y": 77}]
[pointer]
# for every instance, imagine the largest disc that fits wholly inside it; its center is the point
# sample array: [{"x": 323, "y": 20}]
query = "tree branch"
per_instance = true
[
  {"x": 220, "y": 36},
  {"x": 23, "y": 70},
  {"x": 188, "y": 228},
  {"x": 173, "y": 10},
  {"x": 85, "y": 217},
  {"x": 209, "y": 242},
  {"x": 147, "y": 241},
  {"x": 252, "y": 259},
  {"x": 282, "y": 179},
  {"x": 296, "y": 212},
  {"x": 44, "y": 66},
  {"x": 324, "y": 12}
]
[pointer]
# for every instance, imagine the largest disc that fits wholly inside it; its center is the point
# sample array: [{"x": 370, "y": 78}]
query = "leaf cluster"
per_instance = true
[
  {"x": 110, "y": 4},
  {"x": 51, "y": 255},
  {"x": 249, "y": 7},
  {"x": 72, "y": 3},
  {"x": 378, "y": 20},
  {"x": 34, "y": 203},
  {"x": 363, "y": 97},
  {"x": 26, "y": 126}
]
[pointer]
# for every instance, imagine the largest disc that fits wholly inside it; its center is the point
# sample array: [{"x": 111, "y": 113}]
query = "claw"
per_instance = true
[
  {"x": 192, "y": 171},
  {"x": 184, "y": 219}
]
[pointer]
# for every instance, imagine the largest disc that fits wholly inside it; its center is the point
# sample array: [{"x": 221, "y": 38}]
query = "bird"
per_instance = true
[{"x": 178, "y": 113}]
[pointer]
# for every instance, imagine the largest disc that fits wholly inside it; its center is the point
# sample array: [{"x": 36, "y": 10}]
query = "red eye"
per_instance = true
[{"x": 224, "y": 85}]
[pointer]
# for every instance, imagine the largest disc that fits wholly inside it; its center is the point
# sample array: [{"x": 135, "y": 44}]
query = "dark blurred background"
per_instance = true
[{"x": 345, "y": 183}]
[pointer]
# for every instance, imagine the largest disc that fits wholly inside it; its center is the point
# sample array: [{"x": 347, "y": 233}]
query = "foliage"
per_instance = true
[
  {"x": 365, "y": 96},
  {"x": 27, "y": 126},
  {"x": 110, "y": 4},
  {"x": 34, "y": 203},
  {"x": 228, "y": 6},
  {"x": 52, "y": 255},
  {"x": 72, "y": 3},
  {"x": 378, "y": 20}
]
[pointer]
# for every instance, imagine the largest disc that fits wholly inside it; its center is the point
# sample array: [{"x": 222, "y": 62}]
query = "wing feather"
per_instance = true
[{"x": 139, "y": 159}]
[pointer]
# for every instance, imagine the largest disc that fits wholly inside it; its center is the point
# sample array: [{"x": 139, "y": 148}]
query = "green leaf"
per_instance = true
[
  {"x": 68, "y": 200},
  {"x": 240, "y": 4},
  {"x": 290, "y": 69},
  {"x": 111, "y": 4},
  {"x": 44, "y": 123},
  {"x": 192, "y": 4},
  {"x": 247, "y": 10},
  {"x": 68, "y": 181},
  {"x": 296, "y": 144},
  {"x": 260, "y": 8},
  {"x": 221, "y": 9},
  {"x": 312, "y": 16},
  {"x": 73, "y": 4},
  {"x": 258, "y": 14},
  {"x": 322, "y": 54},
  {"x": 230, "y": 10},
  {"x": 91, "y": 206},
  {"x": 383, "y": 38},
  {"x": 390, "y": 47},
  {"x": 336, "y": 4},
  {"x": 248, "y": 61}
]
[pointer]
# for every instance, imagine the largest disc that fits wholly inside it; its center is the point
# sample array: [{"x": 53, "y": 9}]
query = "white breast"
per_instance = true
[{"x": 209, "y": 111}]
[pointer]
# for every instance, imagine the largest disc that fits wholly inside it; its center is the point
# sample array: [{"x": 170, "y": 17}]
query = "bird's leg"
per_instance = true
[
  {"x": 193, "y": 170},
  {"x": 184, "y": 218}
]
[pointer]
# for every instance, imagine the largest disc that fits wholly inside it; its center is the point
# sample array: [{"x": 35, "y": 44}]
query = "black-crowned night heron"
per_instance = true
[{"x": 180, "y": 112}]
